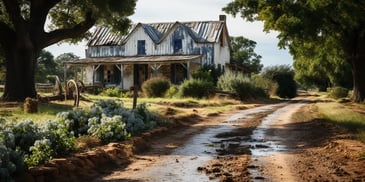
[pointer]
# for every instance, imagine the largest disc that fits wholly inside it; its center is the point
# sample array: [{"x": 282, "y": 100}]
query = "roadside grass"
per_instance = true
[
  {"x": 46, "y": 111},
  {"x": 165, "y": 107},
  {"x": 342, "y": 116}
]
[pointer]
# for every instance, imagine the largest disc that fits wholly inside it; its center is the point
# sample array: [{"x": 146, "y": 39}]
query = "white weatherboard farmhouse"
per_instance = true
[{"x": 171, "y": 50}]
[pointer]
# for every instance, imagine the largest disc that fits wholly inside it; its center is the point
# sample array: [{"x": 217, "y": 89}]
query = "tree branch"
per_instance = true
[
  {"x": 39, "y": 10},
  {"x": 62, "y": 34}
]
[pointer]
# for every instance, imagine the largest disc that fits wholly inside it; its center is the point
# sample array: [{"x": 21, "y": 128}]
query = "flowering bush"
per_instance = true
[
  {"x": 41, "y": 152},
  {"x": 108, "y": 128},
  {"x": 29, "y": 144}
]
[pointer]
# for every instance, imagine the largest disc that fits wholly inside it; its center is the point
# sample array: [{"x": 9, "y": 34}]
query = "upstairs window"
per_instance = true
[
  {"x": 141, "y": 47},
  {"x": 177, "y": 46}
]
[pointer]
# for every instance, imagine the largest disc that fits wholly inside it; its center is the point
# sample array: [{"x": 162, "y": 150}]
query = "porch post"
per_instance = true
[
  {"x": 94, "y": 69},
  {"x": 64, "y": 73},
  {"x": 122, "y": 76},
  {"x": 121, "y": 69},
  {"x": 93, "y": 82},
  {"x": 188, "y": 70}
]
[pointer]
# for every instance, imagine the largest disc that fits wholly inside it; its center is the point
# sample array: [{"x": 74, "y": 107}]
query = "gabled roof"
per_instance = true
[{"x": 200, "y": 31}]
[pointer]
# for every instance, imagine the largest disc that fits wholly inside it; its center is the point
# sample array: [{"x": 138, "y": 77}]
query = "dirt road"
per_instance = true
[{"x": 258, "y": 144}]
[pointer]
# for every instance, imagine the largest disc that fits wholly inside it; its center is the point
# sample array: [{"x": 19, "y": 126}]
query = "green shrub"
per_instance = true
[
  {"x": 11, "y": 159},
  {"x": 287, "y": 88},
  {"x": 29, "y": 144},
  {"x": 283, "y": 75},
  {"x": 195, "y": 88},
  {"x": 155, "y": 87},
  {"x": 41, "y": 153},
  {"x": 241, "y": 85},
  {"x": 208, "y": 73},
  {"x": 225, "y": 82},
  {"x": 172, "y": 91},
  {"x": 338, "y": 92},
  {"x": 108, "y": 128},
  {"x": 247, "y": 90},
  {"x": 112, "y": 92},
  {"x": 268, "y": 85}
]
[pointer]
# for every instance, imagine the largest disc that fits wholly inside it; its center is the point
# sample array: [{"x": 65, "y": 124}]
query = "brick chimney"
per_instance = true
[{"x": 222, "y": 18}]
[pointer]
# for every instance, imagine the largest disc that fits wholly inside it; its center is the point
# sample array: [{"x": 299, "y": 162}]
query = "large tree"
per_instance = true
[
  {"x": 24, "y": 35},
  {"x": 321, "y": 66},
  {"x": 243, "y": 53},
  {"x": 300, "y": 21}
]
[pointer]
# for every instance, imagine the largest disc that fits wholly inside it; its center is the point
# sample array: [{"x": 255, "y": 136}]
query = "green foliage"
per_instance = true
[
  {"x": 226, "y": 81},
  {"x": 241, "y": 85},
  {"x": 321, "y": 66},
  {"x": 266, "y": 84},
  {"x": 243, "y": 54},
  {"x": 247, "y": 90},
  {"x": 46, "y": 66},
  {"x": 155, "y": 87},
  {"x": 108, "y": 128},
  {"x": 338, "y": 92},
  {"x": 41, "y": 152},
  {"x": 283, "y": 75},
  {"x": 112, "y": 92},
  {"x": 195, "y": 88},
  {"x": 60, "y": 60},
  {"x": 172, "y": 91},
  {"x": 209, "y": 73},
  {"x": 328, "y": 33},
  {"x": 11, "y": 160},
  {"x": 26, "y": 143},
  {"x": 69, "y": 20}
]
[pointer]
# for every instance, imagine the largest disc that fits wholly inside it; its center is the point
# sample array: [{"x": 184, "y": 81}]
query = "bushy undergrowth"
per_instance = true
[
  {"x": 247, "y": 90},
  {"x": 155, "y": 87},
  {"x": 241, "y": 85},
  {"x": 227, "y": 81},
  {"x": 338, "y": 92},
  {"x": 283, "y": 75},
  {"x": 172, "y": 91},
  {"x": 112, "y": 92},
  {"x": 209, "y": 73},
  {"x": 27, "y": 143},
  {"x": 195, "y": 88}
]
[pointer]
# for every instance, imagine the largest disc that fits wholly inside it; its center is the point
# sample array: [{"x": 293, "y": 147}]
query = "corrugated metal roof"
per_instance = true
[{"x": 200, "y": 31}]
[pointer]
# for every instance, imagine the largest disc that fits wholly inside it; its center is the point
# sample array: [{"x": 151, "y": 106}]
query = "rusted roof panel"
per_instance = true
[{"x": 201, "y": 31}]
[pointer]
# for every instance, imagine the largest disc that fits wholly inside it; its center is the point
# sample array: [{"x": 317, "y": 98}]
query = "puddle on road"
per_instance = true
[
  {"x": 263, "y": 145},
  {"x": 183, "y": 163}
]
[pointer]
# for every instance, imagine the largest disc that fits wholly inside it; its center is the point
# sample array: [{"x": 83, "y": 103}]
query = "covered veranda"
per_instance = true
[{"x": 133, "y": 70}]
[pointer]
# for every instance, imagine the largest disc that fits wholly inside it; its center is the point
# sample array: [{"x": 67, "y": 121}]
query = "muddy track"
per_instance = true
[
  {"x": 182, "y": 156},
  {"x": 259, "y": 144}
]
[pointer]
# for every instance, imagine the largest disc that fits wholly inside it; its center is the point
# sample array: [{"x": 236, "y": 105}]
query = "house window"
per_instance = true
[
  {"x": 141, "y": 47},
  {"x": 177, "y": 46}
]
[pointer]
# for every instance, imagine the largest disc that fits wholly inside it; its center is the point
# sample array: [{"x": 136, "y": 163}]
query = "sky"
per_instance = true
[{"x": 148, "y": 11}]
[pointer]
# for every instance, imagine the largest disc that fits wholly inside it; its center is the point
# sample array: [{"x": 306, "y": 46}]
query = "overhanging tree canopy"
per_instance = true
[
  {"x": 23, "y": 34},
  {"x": 304, "y": 21}
]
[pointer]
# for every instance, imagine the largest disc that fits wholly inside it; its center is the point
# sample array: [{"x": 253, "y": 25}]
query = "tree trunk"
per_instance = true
[
  {"x": 20, "y": 64},
  {"x": 358, "y": 73},
  {"x": 358, "y": 69}
]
